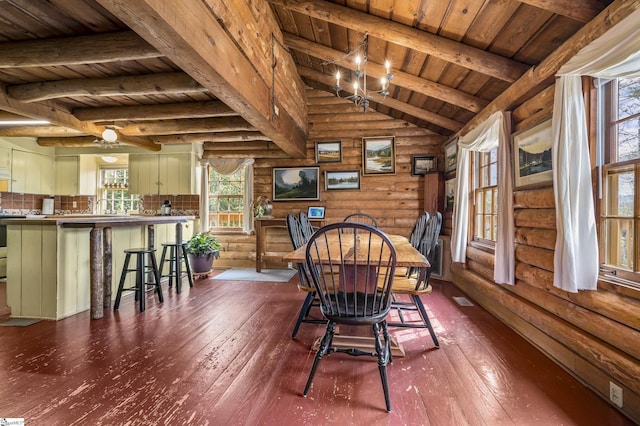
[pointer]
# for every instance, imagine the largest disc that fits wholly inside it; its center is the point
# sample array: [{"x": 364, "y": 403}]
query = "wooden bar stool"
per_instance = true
[
  {"x": 141, "y": 270},
  {"x": 177, "y": 255}
]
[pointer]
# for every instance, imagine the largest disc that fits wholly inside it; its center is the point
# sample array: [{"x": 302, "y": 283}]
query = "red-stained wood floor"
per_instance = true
[{"x": 221, "y": 354}]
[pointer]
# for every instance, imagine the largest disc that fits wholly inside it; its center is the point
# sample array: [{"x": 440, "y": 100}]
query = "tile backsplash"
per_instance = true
[{"x": 23, "y": 204}]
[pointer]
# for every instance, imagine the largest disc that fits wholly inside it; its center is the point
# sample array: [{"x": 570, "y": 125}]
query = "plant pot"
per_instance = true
[{"x": 201, "y": 264}]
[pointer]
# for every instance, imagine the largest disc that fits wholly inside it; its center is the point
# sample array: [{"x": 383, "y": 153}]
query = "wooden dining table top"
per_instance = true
[{"x": 406, "y": 254}]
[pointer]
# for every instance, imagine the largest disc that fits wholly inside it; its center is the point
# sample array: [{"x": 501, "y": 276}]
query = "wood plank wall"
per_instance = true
[
  {"x": 394, "y": 200},
  {"x": 594, "y": 335}
]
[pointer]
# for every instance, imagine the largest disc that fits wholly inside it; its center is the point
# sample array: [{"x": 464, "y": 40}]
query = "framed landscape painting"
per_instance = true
[
  {"x": 329, "y": 152},
  {"x": 451, "y": 155},
  {"x": 378, "y": 155},
  {"x": 421, "y": 165},
  {"x": 349, "y": 179},
  {"x": 532, "y": 156},
  {"x": 296, "y": 183}
]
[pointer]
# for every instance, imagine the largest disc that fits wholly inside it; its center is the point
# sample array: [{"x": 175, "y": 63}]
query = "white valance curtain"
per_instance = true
[
  {"x": 227, "y": 166},
  {"x": 494, "y": 132},
  {"x": 613, "y": 55}
]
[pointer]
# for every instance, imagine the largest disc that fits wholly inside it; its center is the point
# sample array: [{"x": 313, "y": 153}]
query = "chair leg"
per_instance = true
[
  {"x": 187, "y": 266},
  {"x": 163, "y": 257},
  {"x": 383, "y": 356},
  {"x": 156, "y": 276},
  {"x": 140, "y": 281},
  {"x": 123, "y": 277},
  {"x": 325, "y": 346},
  {"x": 304, "y": 310},
  {"x": 425, "y": 318}
]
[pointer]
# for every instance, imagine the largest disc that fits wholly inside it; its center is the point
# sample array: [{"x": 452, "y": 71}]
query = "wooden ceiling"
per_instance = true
[{"x": 167, "y": 72}]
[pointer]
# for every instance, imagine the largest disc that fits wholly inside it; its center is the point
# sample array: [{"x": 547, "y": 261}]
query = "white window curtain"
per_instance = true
[
  {"x": 613, "y": 55},
  {"x": 494, "y": 132},
  {"x": 227, "y": 166}
]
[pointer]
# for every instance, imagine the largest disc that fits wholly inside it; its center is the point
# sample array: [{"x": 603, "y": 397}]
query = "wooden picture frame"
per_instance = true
[
  {"x": 329, "y": 152},
  {"x": 449, "y": 194},
  {"x": 341, "y": 180},
  {"x": 296, "y": 183},
  {"x": 378, "y": 155},
  {"x": 532, "y": 164},
  {"x": 421, "y": 165},
  {"x": 451, "y": 155}
]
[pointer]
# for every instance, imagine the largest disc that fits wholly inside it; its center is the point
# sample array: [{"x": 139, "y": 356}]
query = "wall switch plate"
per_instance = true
[{"x": 615, "y": 394}]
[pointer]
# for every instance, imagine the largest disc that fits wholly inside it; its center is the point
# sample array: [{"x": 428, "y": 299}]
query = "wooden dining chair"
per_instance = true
[
  {"x": 415, "y": 237},
  {"x": 361, "y": 218},
  {"x": 298, "y": 239},
  {"x": 357, "y": 292},
  {"x": 307, "y": 228},
  {"x": 416, "y": 283}
]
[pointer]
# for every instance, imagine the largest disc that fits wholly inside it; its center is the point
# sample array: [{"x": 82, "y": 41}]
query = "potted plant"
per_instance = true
[
  {"x": 202, "y": 249},
  {"x": 262, "y": 207}
]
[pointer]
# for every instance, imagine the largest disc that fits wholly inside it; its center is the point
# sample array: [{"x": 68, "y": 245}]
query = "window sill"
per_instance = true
[
  {"x": 620, "y": 286},
  {"x": 484, "y": 246}
]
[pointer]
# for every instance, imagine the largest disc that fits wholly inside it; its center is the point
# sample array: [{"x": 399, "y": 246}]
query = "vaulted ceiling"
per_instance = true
[{"x": 167, "y": 72}]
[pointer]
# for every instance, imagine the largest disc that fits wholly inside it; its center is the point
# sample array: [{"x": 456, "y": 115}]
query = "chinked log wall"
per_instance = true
[
  {"x": 394, "y": 200},
  {"x": 593, "y": 334}
]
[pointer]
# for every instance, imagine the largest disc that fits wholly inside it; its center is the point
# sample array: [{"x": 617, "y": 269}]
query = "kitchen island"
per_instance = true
[{"x": 58, "y": 266}]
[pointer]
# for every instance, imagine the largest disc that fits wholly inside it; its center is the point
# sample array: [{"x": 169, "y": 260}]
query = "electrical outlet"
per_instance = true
[
  {"x": 290, "y": 265},
  {"x": 615, "y": 394},
  {"x": 75, "y": 204}
]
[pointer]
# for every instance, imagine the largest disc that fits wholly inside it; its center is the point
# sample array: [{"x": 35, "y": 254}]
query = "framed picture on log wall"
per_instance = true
[
  {"x": 532, "y": 164},
  {"x": 421, "y": 165},
  {"x": 378, "y": 155},
  {"x": 349, "y": 179},
  {"x": 451, "y": 155},
  {"x": 296, "y": 183},
  {"x": 328, "y": 152},
  {"x": 450, "y": 193}
]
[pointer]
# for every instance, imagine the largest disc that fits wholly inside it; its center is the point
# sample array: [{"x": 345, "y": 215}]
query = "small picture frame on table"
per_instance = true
[{"x": 316, "y": 212}]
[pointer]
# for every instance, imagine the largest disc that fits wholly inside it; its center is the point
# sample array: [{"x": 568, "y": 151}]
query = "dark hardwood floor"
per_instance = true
[{"x": 221, "y": 354}]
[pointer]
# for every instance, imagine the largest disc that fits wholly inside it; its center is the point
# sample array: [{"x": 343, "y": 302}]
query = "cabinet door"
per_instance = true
[
  {"x": 5, "y": 160},
  {"x": 175, "y": 174},
  {"x": 47, "y": 175},
  {"x": 143, "y": 174},
  {"x": 19, "y": 172},
  {"x": 67, "y": 175}
]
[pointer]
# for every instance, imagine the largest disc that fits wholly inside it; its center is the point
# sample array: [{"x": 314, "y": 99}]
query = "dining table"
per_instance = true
[{"x": 406, "y": 256}]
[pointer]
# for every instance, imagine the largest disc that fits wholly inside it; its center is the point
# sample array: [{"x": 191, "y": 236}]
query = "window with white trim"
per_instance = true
[
  {"x": 485, "y": 224},
  {"x": 619, "y": 222},
  {"x": 226, "y": 200},
  {"x": 114, "y": 192}
]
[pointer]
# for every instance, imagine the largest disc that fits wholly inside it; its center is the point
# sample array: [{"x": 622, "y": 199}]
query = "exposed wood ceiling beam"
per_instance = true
[
  {"x": 73, "y": 142},
  {"x": 401, "y": 79},
  {"x": 194, "y": 125},
  {"x": 193, "y": 37},
  {"x": 414, "y": 111},
  {"x": 240, "y": 146},
  {"x": 58, "y": 116},
  {"x": 88, "y": 49},
  {"x": 155, "y": 111},
  {"x": 263, "y": 153},
  {"x": 448, "y": 50},
  {"x": 210, "y": 137},
  {"x": 582, "y": 11},
  {"x": 37, "y": 131},
  {"x": 150, "y": 84},
  {"x": 540, "y": 75}
]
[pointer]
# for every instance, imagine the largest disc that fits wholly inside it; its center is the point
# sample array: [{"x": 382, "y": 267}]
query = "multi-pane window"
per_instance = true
[
  {"x": 226, "y": 200},
  {"x": 619, "y": 126},
  {"x": 486, "y": 196},
  {"x": 114, "y": 192}
]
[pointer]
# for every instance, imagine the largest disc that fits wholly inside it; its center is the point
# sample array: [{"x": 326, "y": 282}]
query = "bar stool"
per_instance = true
[
  {"x": 177, "y": 255},
  {"x": 141, "y": 271}
]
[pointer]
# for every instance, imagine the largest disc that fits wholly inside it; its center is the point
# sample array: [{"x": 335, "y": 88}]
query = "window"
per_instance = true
[
  {"x": 226, "y": 200},
  {"x": 619, "y": 127},
  {"x": 114, "y": 192},
  {"x": 486, "y": 196}
]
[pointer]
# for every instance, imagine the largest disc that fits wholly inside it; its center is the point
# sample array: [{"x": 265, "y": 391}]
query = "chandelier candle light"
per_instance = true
[{"x": 360, "y": 95}]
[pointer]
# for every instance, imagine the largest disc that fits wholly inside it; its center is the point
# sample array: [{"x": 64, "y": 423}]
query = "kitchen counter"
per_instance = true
[{"x": 58, "y": 266}]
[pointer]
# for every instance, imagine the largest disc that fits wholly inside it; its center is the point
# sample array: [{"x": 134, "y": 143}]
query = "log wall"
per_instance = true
[
  {"x": 593, "y": 334},
  {"x": 395, "y": 200}
]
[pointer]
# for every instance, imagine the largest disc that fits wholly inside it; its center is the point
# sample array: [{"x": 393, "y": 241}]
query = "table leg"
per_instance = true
[
  {"x": 259, "y": 245},
  {"x": 151, "y": 241},
  {"x": 107, "y": 269},
  {"x": 97, "y": 288}
]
